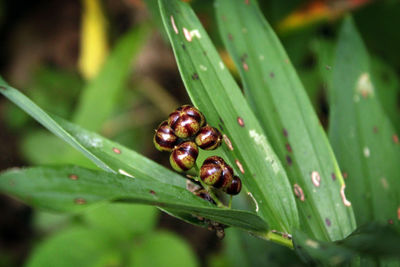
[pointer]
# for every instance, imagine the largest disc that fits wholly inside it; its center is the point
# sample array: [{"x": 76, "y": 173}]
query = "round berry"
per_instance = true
[
  {"x": 235, "y": 187},
  {"x": 183, "y": 156},
  {"x": 186, "y": 121},
  {"x": 208, "y": 138},
  {"x": 164, "y": 138},
  {"x": 216, "y": 172}
]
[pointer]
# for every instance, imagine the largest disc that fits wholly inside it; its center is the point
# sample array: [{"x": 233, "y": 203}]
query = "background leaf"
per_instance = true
[
  {"x": 71, "y": 189},
  {"x": 76, "y": 246},
  {"x": 281, "y": 103},
  {"x": 213, "y": 90},
  {"x": 162, "y": 249},
  {"x": 362, "y": 136}
]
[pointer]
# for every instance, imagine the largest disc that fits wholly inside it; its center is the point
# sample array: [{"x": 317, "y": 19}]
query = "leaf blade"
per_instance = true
[
  {"x": 361, "y": 133},
  {"x": 282, "y": 105},
  {"x": 72, "y": 189},
  {"x": 213, "y": 90}
]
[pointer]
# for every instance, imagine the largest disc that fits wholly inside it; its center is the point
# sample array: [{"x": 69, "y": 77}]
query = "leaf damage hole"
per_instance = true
[
  {"x": 255, "y": 202},
  {"x": 73, "y": 177},
  {"x": 366, "y": 152},
  {"x": 227, "y": 142},
  {"x": 298, "y": 192},
  {"x": 345, "y": 201},
  {"x": 240, "y": 121},
  {"x": 174, "y": 25},
  {"x": 187, "y": 34},
  {"x": 116, "y": 150},
  {"x": 80, "y": 201},
  {"x": 240, "y": 166},
  {"x": 316, "y": 178}
]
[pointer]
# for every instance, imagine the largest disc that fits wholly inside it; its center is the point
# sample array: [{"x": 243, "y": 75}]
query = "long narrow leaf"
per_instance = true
[
  {"x": 214, "y": 91},
  {"x": 281, "y": 103},
  {"x": 71, "y": 189},
  {"x": 362, "y": 136},
  {"x": 98, "y": 98},
  {"x": 107, "y": 155}
]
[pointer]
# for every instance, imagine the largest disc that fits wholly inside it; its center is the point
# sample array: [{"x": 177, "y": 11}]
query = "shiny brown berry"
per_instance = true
[
  {"x": 186, "y": 121},
  {"x": 164, "y": 139},
  {"x": 208, "y": 138},
  {"x": 204, "y": 195},
  {"x": 216, "y": 172},
  {"x": 184, "y": 156},
  {"x": 234, "y": 187}
]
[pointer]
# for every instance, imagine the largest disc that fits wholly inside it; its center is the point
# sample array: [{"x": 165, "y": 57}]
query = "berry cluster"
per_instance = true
[{"x": 185, "y": 131}]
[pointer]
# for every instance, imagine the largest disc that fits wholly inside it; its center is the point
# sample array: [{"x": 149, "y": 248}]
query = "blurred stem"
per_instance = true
[{"x": 277, "y": 238}]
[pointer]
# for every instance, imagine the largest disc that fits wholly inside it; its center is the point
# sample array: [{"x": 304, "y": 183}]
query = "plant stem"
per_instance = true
[{"x": 277, "y": 238}]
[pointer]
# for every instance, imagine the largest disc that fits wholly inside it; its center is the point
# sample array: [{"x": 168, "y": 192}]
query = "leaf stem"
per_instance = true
[{"x": 277, "y": 238}]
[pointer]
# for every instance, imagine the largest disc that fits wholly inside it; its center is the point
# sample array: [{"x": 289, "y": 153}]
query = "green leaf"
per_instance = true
[
  {"x": 72, "y": 189},
  {"x": 362, "y": 136},
  {"x": 163, "y": 249},
  {"x": 369, "y": 241},
  {"x": 98, "y": 99},
  {"x": 214, "y": 91},
  {"x": 122, "y": 220},
  {"x": 279, "y": 100},
  {"x": 77, "y": 246}
]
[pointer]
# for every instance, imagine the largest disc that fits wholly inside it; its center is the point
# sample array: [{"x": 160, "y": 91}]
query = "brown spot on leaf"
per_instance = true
[
  {"x": 289, "y": 160},
  {"x": 230, "y": 37},
  {"x": 285, "y": 133},
  {"x": 328, "y": 222},
  {"x": 240, "y": 166},
  {"x": 375, "y": 129},
  {"x": 288, "y": 147},
  {"x": 73, "y": 177},
  {"x": 195, "y": 76},
  {"x": 271, "y": 74},
  {"x": 116, "y": 150},
  {"x": 152, "y": 192},
  {"x": 298, "y": 192},
  {"x": 80, "y": 201},
  {"x": 240, "y": 121},
  {"x": 345, "y": 175},
  {"x": 228, "y": 142},
  {"x": 395, "y": 139},
  {"x": 333, "y": 176},
  {"x": 2, "y": 88}
]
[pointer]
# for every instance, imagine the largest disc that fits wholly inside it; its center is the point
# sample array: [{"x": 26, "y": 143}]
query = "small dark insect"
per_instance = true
[
  {"x": 235, "y": 187},
  {"x": 183, "y": 156}
]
